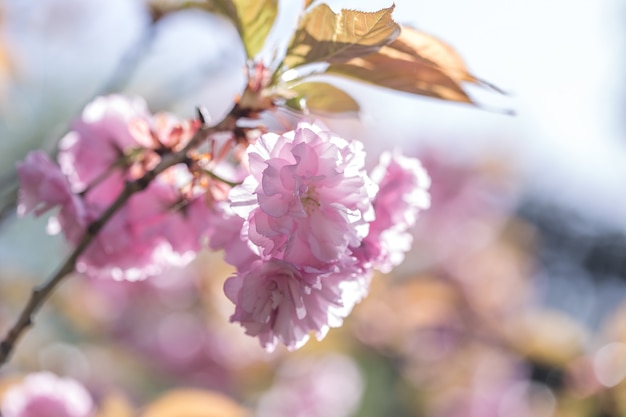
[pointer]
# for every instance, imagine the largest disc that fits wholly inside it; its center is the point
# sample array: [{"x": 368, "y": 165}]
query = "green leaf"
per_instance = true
[
  {"x": 255, "y": 19},
  {"x": 415, "y": 63},
  {"x": 160, "y": 8},
  {"x": 325, "y": 36},
  {"x": 322, "y": 98}
]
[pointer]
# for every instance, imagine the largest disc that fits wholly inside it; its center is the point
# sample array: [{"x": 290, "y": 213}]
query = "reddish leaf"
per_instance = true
[
  {"x": 415, "y": 63},
  {"x": 325, "y": 36},
  {"x": 393, "y": 69}
]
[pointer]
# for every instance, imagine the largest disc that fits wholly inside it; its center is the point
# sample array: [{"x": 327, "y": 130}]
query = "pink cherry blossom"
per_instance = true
[
  {"x": 99, "y": 139},
  {"x": 403, "y": 193},
  {"x": 307, "y": 198},
  {"x": 314, "y": 386},
  {"x": 403, "y": 190},
  {"x": 43, "y": 186},
  {"x": 276, "y": 301},
  {"x": 46, "y": 395},
  {"x": 116, "y": 140},
  {"x": 163, "y": 130},
  {"x": 157, "y": 229},
  {"x": 226, "y": 235}
]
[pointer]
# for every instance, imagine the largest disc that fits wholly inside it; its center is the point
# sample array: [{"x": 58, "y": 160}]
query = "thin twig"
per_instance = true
[{"x": 41, "y": 293}]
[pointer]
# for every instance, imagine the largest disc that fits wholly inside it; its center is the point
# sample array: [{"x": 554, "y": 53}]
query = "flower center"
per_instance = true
[
  {"x": 276, "y": 294},
  {"x": 308, "y": 198}
]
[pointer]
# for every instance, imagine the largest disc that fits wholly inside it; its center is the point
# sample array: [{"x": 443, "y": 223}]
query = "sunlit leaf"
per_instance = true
[
  {"x": 194, "y": 403},
  {"x": 254, "y": 21},
  {"x": 423, "y": 46},
  {"x": 392, "y": 69},
  {"x": 321, "y": 97},
  {"x": 325, "y": 36},
  {"x": 415, "y": 63}
]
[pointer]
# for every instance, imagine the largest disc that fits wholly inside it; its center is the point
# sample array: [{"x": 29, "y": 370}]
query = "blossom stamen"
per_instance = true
[{"x": 309, "y": 199}]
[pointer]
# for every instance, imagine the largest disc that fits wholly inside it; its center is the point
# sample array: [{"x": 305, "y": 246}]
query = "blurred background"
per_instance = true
[{"x": 512, "y": 301}]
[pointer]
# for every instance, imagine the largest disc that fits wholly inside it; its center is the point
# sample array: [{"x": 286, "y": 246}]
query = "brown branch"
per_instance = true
[{"x": 41, "y": 293}]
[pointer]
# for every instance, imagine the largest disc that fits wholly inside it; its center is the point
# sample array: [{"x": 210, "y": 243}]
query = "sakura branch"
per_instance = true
[
  {"x": 295, "y": 211},
  {"x": 70, "y": 201}
]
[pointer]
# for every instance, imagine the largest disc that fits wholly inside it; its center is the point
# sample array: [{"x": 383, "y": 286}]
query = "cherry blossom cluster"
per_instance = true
[{"x": 296, "y": 213}]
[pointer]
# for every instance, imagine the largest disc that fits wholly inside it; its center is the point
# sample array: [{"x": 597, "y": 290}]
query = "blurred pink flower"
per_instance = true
[
  {"x": 43, "y": 186},
  {"x": 403, "y": 193},
  {"x": 99, "y": 139},
  {"x": 163, "y": 130},
  {"x": 168, "y": 322},
  {"x": 468, "y": 199},
  {"x": 308, "y": 197},
  {"x": 276, "y": 301},
  {"x": 111, "y": 143},
  {"x": 46, "y": 395},
  {"x": 226, "y": 235},
  {"x": 143, "y": 238},
  {"x": 326, "y": 386}
]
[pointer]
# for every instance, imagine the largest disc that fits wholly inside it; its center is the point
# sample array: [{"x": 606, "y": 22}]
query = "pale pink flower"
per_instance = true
[
  {"x": 403, "y": 190},
  {"x": 188, "y": 226},
  {"x": 116, "y": 140},
  {"x": 402, "y": 193},
  {"x": 225, "y": 235},
  {"x": 99, "y": 139},
  {"x": 468, "y": 199},
  {"x": 325, "y": 386},
  {"x": 308, "y": 196},
  {"x": 147, "y": 236},
  {"x": 276, "y": 301},
  {"x": 43, "y": 186},
  {"x": 46, "y": 395},
  {"x": 163, "y": 130},
  {"x": 92, "y": 157}
]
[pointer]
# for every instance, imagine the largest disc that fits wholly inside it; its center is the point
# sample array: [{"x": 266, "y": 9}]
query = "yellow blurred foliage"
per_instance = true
[
  {"x": 194, "y": 403},
  {"x": 6, "y": 383},
  {"x": 115, "y": 405},
  {"x": 547, "y": 336},
  {"x": 6, "y": 68}
]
